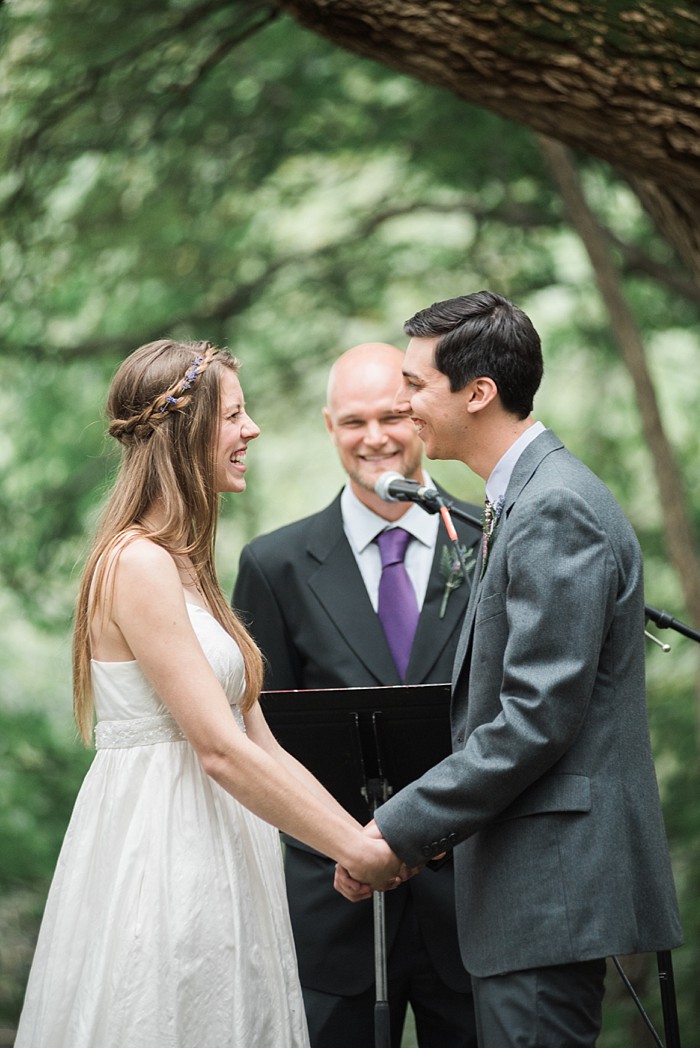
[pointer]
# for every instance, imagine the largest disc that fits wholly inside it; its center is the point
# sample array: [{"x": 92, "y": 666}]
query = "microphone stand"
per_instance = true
[
  {"x": 664, "y": 963},
  {"x": 435, "y": 503},
  {"x": 665, "y": 621},
  {"x": 450, "y": 507}
]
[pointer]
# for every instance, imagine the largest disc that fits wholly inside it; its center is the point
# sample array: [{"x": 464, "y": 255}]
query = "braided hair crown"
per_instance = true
[{"x": 156, "y": 382}]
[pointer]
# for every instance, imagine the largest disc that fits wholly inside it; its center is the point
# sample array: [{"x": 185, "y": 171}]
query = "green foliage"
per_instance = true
[
  {"x": 40, "y": 774},
  {"x": 171, "y": 170},
  {"x": 212, "y": 170}
]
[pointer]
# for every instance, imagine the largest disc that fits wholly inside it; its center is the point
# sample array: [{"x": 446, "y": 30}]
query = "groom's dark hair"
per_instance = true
[{"x": 484, "y": 334}]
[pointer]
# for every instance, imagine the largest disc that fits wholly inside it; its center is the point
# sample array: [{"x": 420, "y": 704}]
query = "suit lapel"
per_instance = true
[
  {"x": 338, "y": 585},
  {"x": 467, "y": 625},
  {"x": 433, "y": 632},
  {"x": 523, "y": 471},
  {"x": 527, "y": 465}
]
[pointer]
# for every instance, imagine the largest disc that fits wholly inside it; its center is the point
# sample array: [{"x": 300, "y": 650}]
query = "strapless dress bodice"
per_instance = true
[{"x": 128, "y": 709}]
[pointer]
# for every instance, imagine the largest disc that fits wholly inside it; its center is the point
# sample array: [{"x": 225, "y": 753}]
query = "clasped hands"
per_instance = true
[{"x": 376, "y": 868}]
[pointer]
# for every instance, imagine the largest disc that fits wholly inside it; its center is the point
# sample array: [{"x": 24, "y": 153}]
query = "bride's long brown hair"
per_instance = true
[{"x": 164, "y": 408}]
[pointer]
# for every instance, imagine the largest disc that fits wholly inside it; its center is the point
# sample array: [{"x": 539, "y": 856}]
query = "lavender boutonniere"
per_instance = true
[
  {"x": 492, "y": 515},
  {"x": 451, "y": 572}
]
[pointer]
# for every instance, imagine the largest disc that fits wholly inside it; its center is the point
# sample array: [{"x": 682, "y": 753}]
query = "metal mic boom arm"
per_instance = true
[
  {"x": 439, "y": 502},
  {"x": 665, "y": 621}
]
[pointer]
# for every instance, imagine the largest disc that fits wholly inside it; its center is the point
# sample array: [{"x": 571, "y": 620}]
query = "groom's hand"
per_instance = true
[{"x": 376, "y": 869}]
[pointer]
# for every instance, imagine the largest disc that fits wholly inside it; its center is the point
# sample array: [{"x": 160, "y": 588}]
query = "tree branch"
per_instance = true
[
  {"x": 618, "y": 81},
  {"x": 245, "y": 293}
]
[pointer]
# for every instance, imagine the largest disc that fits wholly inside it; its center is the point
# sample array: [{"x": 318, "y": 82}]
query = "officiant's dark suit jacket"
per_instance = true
[
  {"x": 301, "y": 593},
  {"x": 550, "y": 798}
]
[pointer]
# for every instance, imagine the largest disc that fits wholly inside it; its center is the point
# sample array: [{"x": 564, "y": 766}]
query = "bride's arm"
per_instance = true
[
  {"x": 149, "y": 610},
  {"x": 259, "y": 732}
]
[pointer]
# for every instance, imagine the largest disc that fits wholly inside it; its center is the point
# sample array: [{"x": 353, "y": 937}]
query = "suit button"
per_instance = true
[
  {"x": 427, "y": 850},
  {"x": 460, "y": 739}
]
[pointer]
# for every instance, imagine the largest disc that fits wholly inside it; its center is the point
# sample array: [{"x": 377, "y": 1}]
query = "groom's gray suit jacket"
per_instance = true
[{"x": 550, "y": 797}]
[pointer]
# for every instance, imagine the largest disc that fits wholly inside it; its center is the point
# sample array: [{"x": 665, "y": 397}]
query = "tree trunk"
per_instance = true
[
  {"x": 618, "y": 81},
  {"x": 678, "y": 528},
  {"x": 677, "y": 525}
]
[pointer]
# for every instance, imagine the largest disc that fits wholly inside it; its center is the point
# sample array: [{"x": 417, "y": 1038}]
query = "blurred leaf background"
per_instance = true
[{"x": 213, "y": 171}]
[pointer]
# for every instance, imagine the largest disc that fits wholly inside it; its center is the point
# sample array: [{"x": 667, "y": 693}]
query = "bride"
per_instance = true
[{"x": 166, "y": 925}]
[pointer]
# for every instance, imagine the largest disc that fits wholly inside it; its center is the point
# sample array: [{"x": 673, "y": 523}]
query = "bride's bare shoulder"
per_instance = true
[{"x": 133, "y": 559}]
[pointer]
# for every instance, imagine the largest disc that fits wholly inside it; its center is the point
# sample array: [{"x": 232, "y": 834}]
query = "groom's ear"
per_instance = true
[{"x": 480, "y": 392}]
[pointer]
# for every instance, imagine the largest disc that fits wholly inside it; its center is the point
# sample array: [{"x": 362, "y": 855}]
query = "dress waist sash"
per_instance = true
[{"x": 137, "y": 731}]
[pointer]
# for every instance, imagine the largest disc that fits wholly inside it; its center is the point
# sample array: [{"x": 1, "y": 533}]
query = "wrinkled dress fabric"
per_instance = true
[{"x": 166, "y": 925}]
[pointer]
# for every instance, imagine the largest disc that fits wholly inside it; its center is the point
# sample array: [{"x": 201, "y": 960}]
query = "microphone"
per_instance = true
[{"x": 393, "y": 487}]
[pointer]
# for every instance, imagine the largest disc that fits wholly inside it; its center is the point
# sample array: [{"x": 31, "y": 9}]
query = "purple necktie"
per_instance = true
[{"x": 398, "y": 608}]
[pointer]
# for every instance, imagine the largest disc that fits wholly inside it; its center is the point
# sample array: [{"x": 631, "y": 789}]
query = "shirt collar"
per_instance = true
[
  {"x": 362, "y": 525},
  {"x": 497, "y": 483}
]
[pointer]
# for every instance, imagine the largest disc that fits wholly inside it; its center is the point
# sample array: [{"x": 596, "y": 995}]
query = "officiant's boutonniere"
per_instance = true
[{"x": 451, "y": 572}]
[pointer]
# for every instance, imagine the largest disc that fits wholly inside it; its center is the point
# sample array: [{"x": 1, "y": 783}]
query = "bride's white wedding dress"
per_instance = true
[{"x": 166, "y": 925}]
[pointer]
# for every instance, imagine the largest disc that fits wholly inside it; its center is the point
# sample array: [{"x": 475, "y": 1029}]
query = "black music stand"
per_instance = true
[{"x": 363, "y": 744}]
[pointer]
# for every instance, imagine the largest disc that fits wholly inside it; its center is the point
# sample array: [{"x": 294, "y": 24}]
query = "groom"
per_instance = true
[{"x": 549, "y": 799}]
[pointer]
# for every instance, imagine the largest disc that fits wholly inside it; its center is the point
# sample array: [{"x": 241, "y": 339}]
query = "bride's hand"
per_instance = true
[
  {"x": 354, "y": 891},
  {"x": 374, "y": 867}
]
